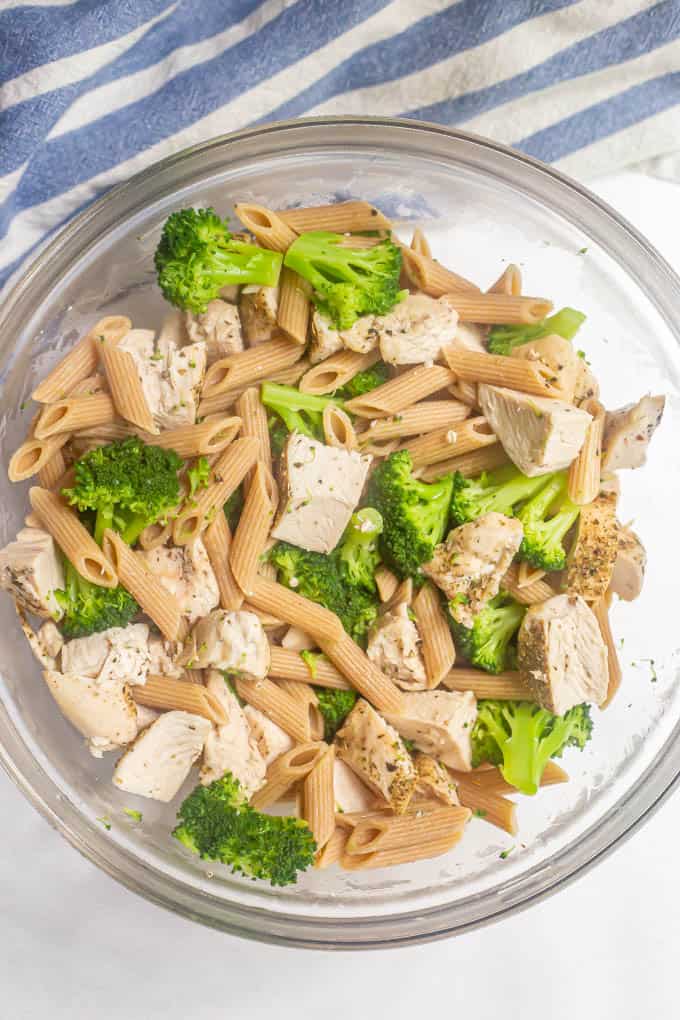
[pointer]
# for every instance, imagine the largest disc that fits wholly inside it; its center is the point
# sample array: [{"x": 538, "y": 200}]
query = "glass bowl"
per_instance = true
[{"x": 481, "y": 205}]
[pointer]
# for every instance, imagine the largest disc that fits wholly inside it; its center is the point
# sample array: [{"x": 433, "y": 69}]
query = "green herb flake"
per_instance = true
[
  {"x": 136, "y": 816},
  {"x": 504, "y": 854},
  {"x": 479, "y": 812},
  {"x": 581, "y": 251},
  {"x": 105, "y": 821}
]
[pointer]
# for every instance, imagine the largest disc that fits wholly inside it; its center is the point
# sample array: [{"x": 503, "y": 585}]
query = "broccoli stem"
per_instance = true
[
  {"x": 240, "y": 262},
  {"x": 566, "y": 323},
  {"x": 103, "y": 521},
  {"x": 300, "y": 412}
]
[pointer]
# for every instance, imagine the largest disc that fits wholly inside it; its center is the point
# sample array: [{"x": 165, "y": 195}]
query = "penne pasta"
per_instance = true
[
  {"x": 494, "y": 308},
  {"x": 318, "y": 798},
  {"x": 74, "y": 413},
  {"x": 166, "y": 694},
  {"x": 81, "y": 361},
  {"x": 503, "y": 687},
  {"x": 486, "y": 804},
  {"x": 419, "y": 244},
  {"x": 89, "y": 386},
  {"x": 438, "y": 649},
  {"x": 109, "y": 433},
  {"x": 226, "y": 401},
  {"x": 429, "y": 276},
  {"x": 289, "y": 607},
  {"x": 155, "y": 535},
  {"x": 398, "y": 831},
  {"x": 203, "y": 440},
  {"x": 338, "y": 428},
  {"x": 217, "y": 540},
  {"x": 527, "y": 575},
  {"x": 492, "y": 781},
  {"x": 52, "y": 472},
  {"x": 509, "y": 282},
  {"x": 228, "y": 472},
  {"x": 498, "y": 370},
  {"x": 126, "y": 387},
  {"x": 72, "y": 537},
  {"x": 397, "y": 394},
  {"x": 254, "y": 418},
  {"x": 402, "y": 855},
  {"x": 601, "y": 614},
  {"x": 333, "y": 850},
  {"x": 253, "y": 528},
  {"x": 287, "y": 664},
  {"x": 267, "y": 226},
  {"x": 33, "y": 455},
  {"x": 416, "y": 420},
  {"x": 469, "y": 464},
  {"x": 336, "y": 371},
  {"x": 342, "y": 218},
  {"x": 471, "y": 434},
  {"x": 242, "y": 369},
  {"x": 306, "y": 695},
  {"x": 289, "y": 768},
  {"x": 528, "y": 594},
  {"x": 294, "y": 305},
  {"x": 584, "y": 472},
  {"x": 386, "y": 582},
  {"x": 362, "y": 674},
  {"x": 155, "y": 600},
  {"x": 291, "y": 714}
]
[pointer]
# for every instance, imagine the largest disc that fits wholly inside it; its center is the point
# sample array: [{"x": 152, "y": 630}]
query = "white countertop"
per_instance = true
[{"x": 77, "y": 945}]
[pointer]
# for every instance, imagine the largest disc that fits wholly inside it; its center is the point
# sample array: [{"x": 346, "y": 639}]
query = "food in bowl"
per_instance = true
[{"x": 343, "y": 531}]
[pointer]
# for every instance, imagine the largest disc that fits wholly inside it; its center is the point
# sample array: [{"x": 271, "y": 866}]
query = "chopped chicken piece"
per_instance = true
[
  {"x": 374, "y": 750},
  {"x": 363, "y": 336},
  {"x": 271, "y": 740},
  {"x": 394, "y": 645},
  {"x": 229, "y": 640},
  {"x": 325, "y": 340},
  {"x": 557, "y": 355},
  {"x": 173, "y": 328},
  {"x": 561, "y": 654},
  {"x": 162, "y": 655},
  {"x": 219, "y": 326},
  {"x": 259, "y": 308},
  {"x": 187, "y": 574},
  {"x": 468, "y": 338},
  {"x": 350, "y": 793},
  {"x": 51, "y": 639},
  {"x": 30, "y": 568},
  {"x": 629, "y": 568},
  {"x": 101, "y": 709},
  {"x": 416, "y": 330},
  {"x": 440, "y": 724},
  {"x": 593, "y": 552},
  {"x": 469, "y": 565},
  {"x": 171, "y": 376},
  {"x": 434, "y": 780},
  {"x": 320, "y": 487},
  {"x": 627, "y": 433},
  {"x": 586, "y": 386},
  {"x": 46, "y": 643},
  {"x": 539, "y": 434},
  {"x": 119, "y": 653},
  {"x": 297, "y": 640},
  {"x": 161, "y": 757},
  {"x": 145, "y": 716},
  {"x": 231, "y": 747}
]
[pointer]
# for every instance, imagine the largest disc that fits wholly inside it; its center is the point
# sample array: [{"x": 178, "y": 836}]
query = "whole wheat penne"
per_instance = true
[
  {"x": 251, "y": 534},
  {"x": 73, "y": 539},
  {"x": 332, "y": 852},
  {"x": 338, "y": 429},
  {"x": 155, "y": 600},
  {"x": 248, "y": 366},
  {"x": 32, "y": 456},
  {"x": 318, "y": 798},
  {"x": 528, "y": 574},
  {"x": 306, "y": 695},
  {"x": 393, "y": 396},
  {"x": 90, "y": 385},
  {"x": 380, "y": 834},
  {"x": 526, "y": 594},
  {"x": 205, "y": 439},
  {"x": 601, "y": 614},
  {"x": 51, "y": 473},
  {"x": 287, "y": 605},
  {"x": 217, "y": 540},
  {"x": 294, "y": 305},
  {"x": 469, "y": 464},
  {"x": 466, "y": 392},
  {"x": 438, "y": 446},
  {"x": 193, "y": 676},
  {"x": 227, "y": 400},
  {"x": 342, "y": 218},
  {"x": 380, "y": 447},
  {"x": 491, "y": 308},
  {"x": 270, "y": 230},
  {"x": 335, "y": 371},
  {"x": 81, "y": 361},
  {"x": 110, "y": 432},
  {"x": 513, "y": 373},
  {"x": 168, "y": 694},
  {"x": 402, "y": 594},
  {"x": 126, "y": 387},
  {"x": 287, "y": 664},
  {"x": 503, "y": 687},
  {"x": 402, "y": 855},
  {"x": 486, "y": 804},
  {"x": 386, "y": 582},
  {"x": 438, "y": 649},
  {"x": 291, "y": 714},
  {"x": 509, "y": 282},
  {"x": 584, "y": 472},
  {"x": 491, "y": 779},
  {"x": 420, "y": 244},
  {"x": 289, "y": 768},
  {"x": 432, "y": 278},
  {"x": 73, "y": 413},
  {"x": 155, "y": 535},
  {"x": 254, "y": 418},
  {"x": 416, "y": 420},
  {"x": 371, "y": 683},
  {"x": 228, "y": 472}
]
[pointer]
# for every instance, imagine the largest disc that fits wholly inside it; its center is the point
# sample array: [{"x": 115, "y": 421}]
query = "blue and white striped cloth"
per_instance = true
[{"x": 92, "y": 91}]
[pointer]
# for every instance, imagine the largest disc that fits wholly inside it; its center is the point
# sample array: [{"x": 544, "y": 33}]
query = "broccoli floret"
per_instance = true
[
  {"x": 364, "y": 382},
  {"x": 520, "y": 737},
  {"x": 334, "y": 706},
  {"x": 129, "y": 485},
  {"x": 198, "y": 475},
  {"x": 278, "y": 434},
  {"x": 299, "y": 412},
  {"x": 358, "y": 552},
  {"x": 414, "y": 513},
  {"x": 566, "y": 323},
  {"x": 89, "y": 608},
  {"x": 197, "y": 256},
  {"x": 488, "y": 644},
  {"x": 501, "y": 491},
  {"x": 348, "y": 282},
  {"x": 546, "y": 518},
  {"x": 217, "y": 823},
  {"x": 233, "y": 508}
]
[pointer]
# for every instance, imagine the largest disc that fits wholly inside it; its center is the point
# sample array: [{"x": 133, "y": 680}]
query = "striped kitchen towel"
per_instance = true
[{"x": 92, "y": 91}]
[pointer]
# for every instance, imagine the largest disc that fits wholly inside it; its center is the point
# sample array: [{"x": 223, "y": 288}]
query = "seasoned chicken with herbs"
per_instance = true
[
  {"x": 231, "y": 747},
  {"x": 219, "y": 327},
  {"x": 629, "y": 567},
  {"x": 374, "y": 750},
  {"x": 440, "y": 724},
  {"x": 394, "y": 645},
  {"x": 120, "y": 653},
  {"x": 234, "y": 641},
  {"x": 31, "y": 570},
  {"x": 187, "y": 574},
  {"x": 160, "y": 759},
  {"x": 591, "y": 560},
  {"x": 628, "y": 431},
  {"x": 258, "y": 308},
  {"x": 171, "y": 376}
]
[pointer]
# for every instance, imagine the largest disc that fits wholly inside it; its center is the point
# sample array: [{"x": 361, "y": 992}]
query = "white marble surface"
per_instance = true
[{"x": 74, "y": 944}]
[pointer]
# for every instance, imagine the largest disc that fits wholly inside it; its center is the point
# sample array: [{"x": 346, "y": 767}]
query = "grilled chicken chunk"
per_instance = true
[
  {"x": 320, "y": 487},
  {"x": 416, "y": 330},
  {"x": 469, "y": 565},
  {"x": 539, "y": 434},
  {"x": 171, "y": 376},
  {"x": 219, "y": 326},
  {"x": 325, "y": 340},
  {"x": 629, "y": 568},
  {"x": 586, "y": 385},
  {"x": 561, "y": 654},
  {"x": 350, "y": 793},
  {"x": 162, "y": 655},
  {"x": 187, "y": 574},
  {"x": 394, "y": 645},
  {"x": 161, "y": 757},
  {"x": 374, "y": 750},
  {"x": 440, "y": 724},
  {"x": 593, "y": 552},
  {"x": 627, "y": 433},
  {"x": 258, "y": 307},
  {"x": 30, "y": 568},
  {"x": 232, "y": 747},
  {"x": 229, "y": 640},
  {"x": 558, "y": 356},
  {"x": 434, "y": 780},
  {"x": 46, "y": 643},
  {"x": 101, "y": 709},
  {"x": 271, "y": 740},
  {"x": 119, "y": 653}
]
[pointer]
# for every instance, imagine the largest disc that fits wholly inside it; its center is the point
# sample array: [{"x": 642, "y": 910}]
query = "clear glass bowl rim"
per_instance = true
[{"x": 633, "y": 253}]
